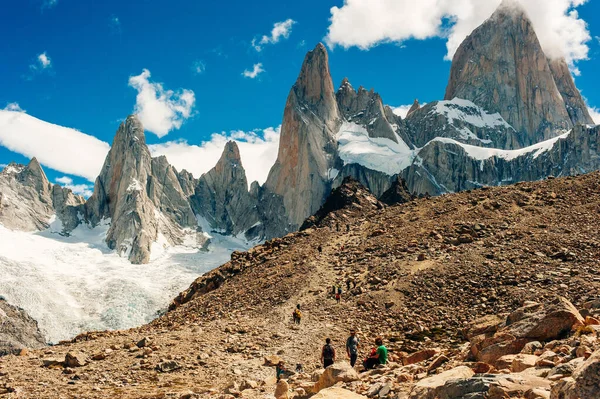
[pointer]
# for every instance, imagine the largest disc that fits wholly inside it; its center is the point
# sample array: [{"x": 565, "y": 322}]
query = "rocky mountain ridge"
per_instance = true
[
  {"x": 478, "y": 136},
  {"x": 491, "y": 293}
]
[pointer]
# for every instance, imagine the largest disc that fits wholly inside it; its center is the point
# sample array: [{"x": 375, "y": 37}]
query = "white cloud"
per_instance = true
[
  {"x": 258, "y": 150},
  {"x": 280, "y": 30},
  {"x": 3, "y": 165},
  {"x": 402, "y": 110},
  {"x": 85, "y": 190},
  {"x": 60, "y": 148},
  {"x": 14, "y": 107},
  {"x": 199, "y": 67},
  {"x": 256, "y": 70},
  {"x": 595, "y": 114},
  {"x": 44, "y": 60},
  {"x": 160, "y": 110},
  {"x": 367, "y": 23}
]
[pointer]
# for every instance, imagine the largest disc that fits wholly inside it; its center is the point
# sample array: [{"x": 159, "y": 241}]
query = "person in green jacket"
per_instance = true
[{"x": 379, "y": 355}]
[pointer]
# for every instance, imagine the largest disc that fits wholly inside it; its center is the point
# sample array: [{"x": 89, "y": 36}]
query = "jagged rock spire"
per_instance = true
[
  {"x": 501, "y": 67},
  {"x": 416, "y": 106},
  {"x": 307, "y": 146}
]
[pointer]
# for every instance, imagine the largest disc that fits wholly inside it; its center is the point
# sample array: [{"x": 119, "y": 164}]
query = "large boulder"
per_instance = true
[
  {"x": 533, "y": 322},
  {"x": 584, "y": 384},
  {"x": 17, "y": 330},
  {"x": 428, "y": 388},
  {"x": 282, "y": 390},
  {"x": 490, "y": 386},
  {"x": 337, "y": 372},
  {"x": 337, "y": 393}
]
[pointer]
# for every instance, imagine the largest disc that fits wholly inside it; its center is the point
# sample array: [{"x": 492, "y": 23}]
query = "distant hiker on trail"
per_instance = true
[
  {"x": 320, "y": 249},
  {"x": 352, "y": 347},
  {"x": 327, "y": 354},
  {"x": 297, "y": 315},
  {"x": 378, "y": 355},
  {"x": 338, "y": 296},
  {"x": 333, "y": 290},
  {"x": 280, "y": 370}
]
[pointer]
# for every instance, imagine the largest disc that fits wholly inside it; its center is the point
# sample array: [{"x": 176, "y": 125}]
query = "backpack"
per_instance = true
[
  {"x": 328, "y": 352},
  {"x": 297, "y": 314}
]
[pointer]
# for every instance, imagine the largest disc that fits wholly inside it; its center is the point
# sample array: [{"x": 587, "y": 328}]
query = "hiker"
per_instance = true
[
  {"x": 333, "y": 290},
  {"x": 280, "y": 370},
  {"x": 348, "y": 285},
  {"x": 338, "y": 295},
  {"x": 320, "y": 249},
  {"x": 297, "y": 315},
  {"x": 352, "y": 347},
  {"x": 327, "y": 354},
  {"x": 377, "y": 356}
]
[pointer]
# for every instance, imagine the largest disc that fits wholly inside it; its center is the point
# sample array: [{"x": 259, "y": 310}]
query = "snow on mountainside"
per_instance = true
[{"x": 76, "y": 283}]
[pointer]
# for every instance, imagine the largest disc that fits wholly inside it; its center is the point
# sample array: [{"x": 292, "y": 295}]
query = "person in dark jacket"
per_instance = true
[{"x": 327, "y": 354}]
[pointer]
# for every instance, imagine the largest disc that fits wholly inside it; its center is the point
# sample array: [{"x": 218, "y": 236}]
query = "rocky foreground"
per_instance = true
[{"x": 493, "y": 293}]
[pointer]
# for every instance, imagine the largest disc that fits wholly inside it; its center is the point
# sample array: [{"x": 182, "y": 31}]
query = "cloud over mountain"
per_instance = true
[{"x": 367, "y": 23}]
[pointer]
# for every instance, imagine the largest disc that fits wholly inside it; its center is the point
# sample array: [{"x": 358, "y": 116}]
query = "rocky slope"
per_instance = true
[
  {"x": 502, "y": 68},
  {"x": 425, "y": 273},
  {"x": 18, "y": 330}
]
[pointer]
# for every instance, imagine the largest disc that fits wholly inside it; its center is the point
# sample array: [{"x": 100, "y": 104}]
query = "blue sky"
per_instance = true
[{"x": 69, "y": 62}]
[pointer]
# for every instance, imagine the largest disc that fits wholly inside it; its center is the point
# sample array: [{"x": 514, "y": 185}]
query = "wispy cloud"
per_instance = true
[
  {"x": 41, "y": 63},
  {"x": 13, "y": 107},
  {"x": 114, "y": 23},
  {"x": 199, "y": 67},
  {"x": 258, "y": 150},
  {"x": 160, "y": 110},
  {"x": 85, "y": 190},
  {"x": 256, "y": 70},
  {"x": 47, "y": 4},
  {"x": 63, "y": 149},
  {"x": 280, "y": 30}
]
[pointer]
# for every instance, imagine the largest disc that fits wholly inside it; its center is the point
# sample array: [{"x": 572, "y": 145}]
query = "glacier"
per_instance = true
[{"x": 75, "y": 284}]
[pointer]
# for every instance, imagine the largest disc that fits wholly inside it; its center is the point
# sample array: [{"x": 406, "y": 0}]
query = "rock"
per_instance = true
[
  {"x": 17, "y": 330},
  {"x": 522, "y": 362},
  {"x": 398, "y": 193},
  {"x": 566, "y": 369},
  {"x": 271, "y": 361},
  {"x": 144, "y": 342},
  {"x": 531, "y": 347},
  {"x": 168, "y": 366},
  {"x": 53, "y": 363},
  {"x": 337, "y": 393},
  {"x": 282, "y": 389},
  {"x": 491, "y": 386},
  {"x": 484, "y": 325},
  {"x": 420, "y": 356},
  {"x": 584, "y": 384},
  {"x": 427, "y": 388},
  {"x": 437, "y": 362},
  {"x": 547, "y": 322},
  {"x": 75, "y": 359},
  {"x": 249, "y": 384},
  {"x": 335, "y": 373}
]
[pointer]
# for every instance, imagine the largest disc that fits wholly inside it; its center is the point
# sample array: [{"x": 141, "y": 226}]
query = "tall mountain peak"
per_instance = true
[
  {"x": 502, "y": 68},
  {"x": 416, "y": 106},
  {"x": 231, "y": 153}
]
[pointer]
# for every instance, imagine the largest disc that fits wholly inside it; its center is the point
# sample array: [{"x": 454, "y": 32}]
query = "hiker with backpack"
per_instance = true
[
  {"x": 280, "y": 370},
  {"x": 327, "y": 354},
  {"x": 297, "y": 315},
  {"x": 338, "y": 295},
  {"x": 352, "y": 347}
]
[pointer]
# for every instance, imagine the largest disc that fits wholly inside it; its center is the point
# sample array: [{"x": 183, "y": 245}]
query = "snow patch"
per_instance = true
[
  {"x": 135, "y": 185},
  {"x": 380, "y": 154},
  {"x": 481, "y": 153},
  {"x": 466, "y": 111}
]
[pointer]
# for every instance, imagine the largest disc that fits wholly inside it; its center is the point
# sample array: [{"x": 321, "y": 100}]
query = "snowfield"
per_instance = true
[{"x": 75, "y": 284}]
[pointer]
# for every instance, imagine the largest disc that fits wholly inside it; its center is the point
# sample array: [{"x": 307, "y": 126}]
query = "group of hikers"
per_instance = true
[{"x": 378, "y": 354}]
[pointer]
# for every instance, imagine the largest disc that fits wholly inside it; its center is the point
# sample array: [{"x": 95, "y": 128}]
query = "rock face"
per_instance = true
[
  {"x": 397, "y": 194},
  {"x": 141, "y": 196},
  {"x": 351, "y": 194},
  {"x": 576, "y": 107},
  {"x": 502, "y": 68},
  {"x": 445, "y": 166},
  {"x": 29, "y": 202},
  {"x": 222, "y": 196},
  {"x": 307, "y": 146},
  {"x": 17, "y": 330}
]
